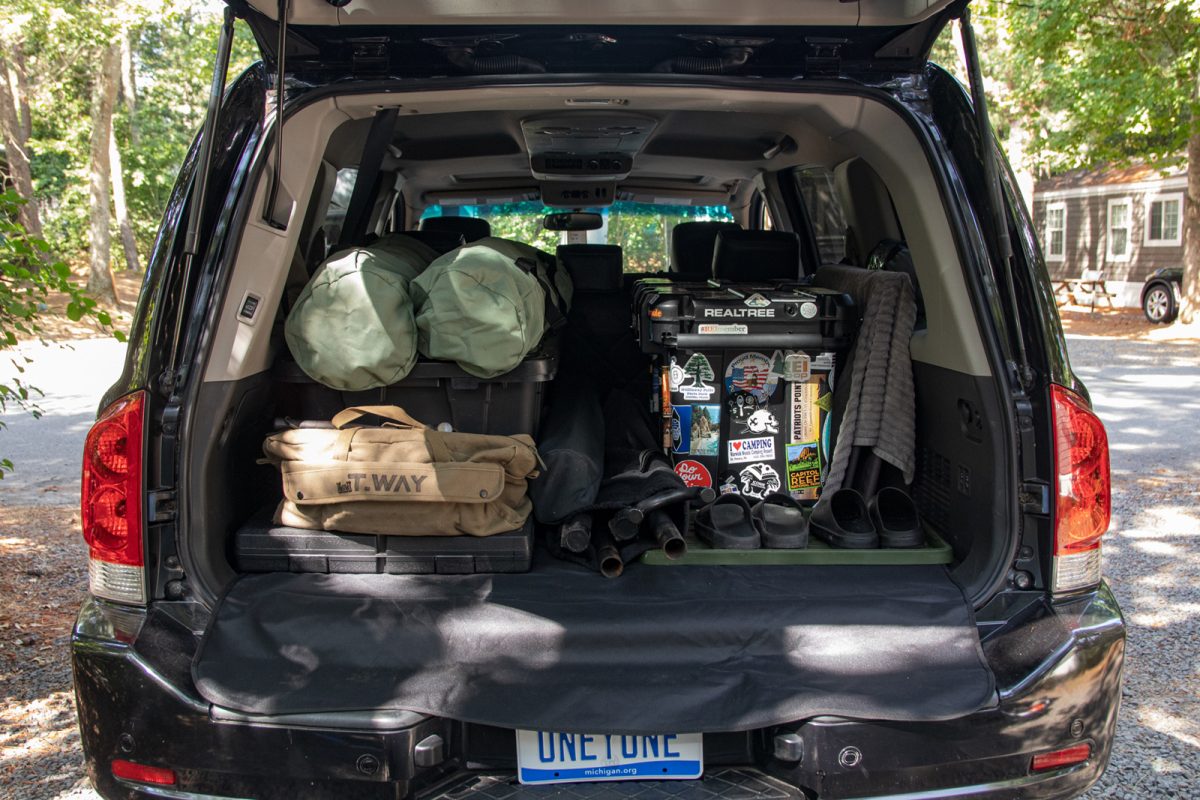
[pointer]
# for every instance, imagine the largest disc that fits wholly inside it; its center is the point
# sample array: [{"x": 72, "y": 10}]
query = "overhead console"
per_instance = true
[
  {"x": 572, "y": 194},
  {"x": 597, "y": 146}
]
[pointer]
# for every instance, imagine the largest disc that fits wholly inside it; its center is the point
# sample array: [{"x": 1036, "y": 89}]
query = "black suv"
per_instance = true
[{"x": 987, "y": 666}]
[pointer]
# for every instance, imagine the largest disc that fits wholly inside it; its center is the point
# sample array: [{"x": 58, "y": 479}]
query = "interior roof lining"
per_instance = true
[{"x": 726, "y": 143}]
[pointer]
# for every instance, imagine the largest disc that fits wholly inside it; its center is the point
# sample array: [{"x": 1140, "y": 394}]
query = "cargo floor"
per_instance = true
[{"x": 701, "y": 649}]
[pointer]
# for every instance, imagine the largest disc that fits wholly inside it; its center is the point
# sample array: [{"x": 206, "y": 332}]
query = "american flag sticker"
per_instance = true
[{"x": 751, "y": 372}]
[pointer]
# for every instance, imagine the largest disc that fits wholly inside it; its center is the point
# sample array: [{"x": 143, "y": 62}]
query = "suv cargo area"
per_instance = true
[
  {"x": 495, "y": 629},
  {"x": 512, "y": 417}
]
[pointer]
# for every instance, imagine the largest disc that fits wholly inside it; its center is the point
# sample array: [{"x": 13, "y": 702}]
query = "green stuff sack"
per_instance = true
[
  {"x": 352, "y": 327},
  {"x": 556, "y": 280},
  {"x": 481, "y": 308}
]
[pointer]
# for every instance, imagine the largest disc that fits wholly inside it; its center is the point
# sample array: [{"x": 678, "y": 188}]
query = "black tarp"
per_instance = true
[{"x": 662, "y": 649}]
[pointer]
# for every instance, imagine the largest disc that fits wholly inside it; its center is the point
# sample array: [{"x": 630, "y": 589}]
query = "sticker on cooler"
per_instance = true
[
  {"x": 759, "y": 480},
  {"x": 803, "y": 453},
  {"x": 713, "y": 329},
  {"x": 742, "y": 451},
  {"x": 760, "y": 422},
  {"x": 753, "y": 373},
  {"x": 545, "y": 757},
  {"x": 756, "y": 300},
  {"x": 797, "y": 367},
  {"x": 681, "y": 429},
  {"x": 693, "y": 473},
  {"x": 699, "y": 372},
  {"x": 675, "y": 375},
  {"x": 705, "y": 436},
  {"x": 803, "y": 469}
]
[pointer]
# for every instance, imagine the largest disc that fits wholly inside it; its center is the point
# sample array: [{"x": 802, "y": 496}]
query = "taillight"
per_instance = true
[
  {"x": 1083, "y": 503},
  {"x": 131, "y": 771},
  {"x": 1075, "y": 754},
  {"x": 112, "y": 502}
]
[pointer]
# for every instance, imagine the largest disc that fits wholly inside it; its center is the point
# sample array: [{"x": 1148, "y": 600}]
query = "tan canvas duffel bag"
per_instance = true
[{"x": 401, "y": 477}]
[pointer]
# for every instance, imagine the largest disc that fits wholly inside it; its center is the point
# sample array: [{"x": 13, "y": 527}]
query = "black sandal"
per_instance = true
[
  {"x": 842, "y": 520},
  {"x": 726, "y": 524},
  {"x": 781, "y": 522},
  {"x": 895, "y": 516}
]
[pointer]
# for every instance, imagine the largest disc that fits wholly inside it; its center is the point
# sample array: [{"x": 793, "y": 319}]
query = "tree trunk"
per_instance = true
[
  {"x": 1190, "y": 308},
  {"x": 104, "y": 97},
  {"x": 20, "y": 82},
  {"x": 129, "y": 85},
  {"x": 128, "y": 243},
  {"x": 15, "y": 143}
]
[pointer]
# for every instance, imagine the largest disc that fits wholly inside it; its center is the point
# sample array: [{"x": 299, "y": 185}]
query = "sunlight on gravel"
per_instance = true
[{"x": 42, "y": 580}]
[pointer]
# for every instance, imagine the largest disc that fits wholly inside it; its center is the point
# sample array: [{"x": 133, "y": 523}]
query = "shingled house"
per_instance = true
[{"x": 1124, "y": 222}]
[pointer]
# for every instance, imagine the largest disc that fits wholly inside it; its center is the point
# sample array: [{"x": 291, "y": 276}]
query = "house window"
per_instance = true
[
  {"x": 1056, "y": 231},
  {"x": 1120, "y": 225},
  {"x": 1164, "y": 220}
]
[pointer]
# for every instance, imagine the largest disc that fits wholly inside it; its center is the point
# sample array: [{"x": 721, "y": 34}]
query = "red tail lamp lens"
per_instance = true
[
  {"x": 111, "y": 515},
  {"x": 1074, "y": 754},
  {"x": 1084, "y": 492},
  {"x": 129, "y": 771}
]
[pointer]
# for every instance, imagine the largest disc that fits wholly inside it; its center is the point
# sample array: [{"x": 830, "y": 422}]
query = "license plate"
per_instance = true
[{"x": 546, "y": 757}]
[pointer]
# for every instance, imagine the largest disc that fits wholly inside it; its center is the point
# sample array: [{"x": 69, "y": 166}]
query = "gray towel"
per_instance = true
[{"x": 881, "y": 407}]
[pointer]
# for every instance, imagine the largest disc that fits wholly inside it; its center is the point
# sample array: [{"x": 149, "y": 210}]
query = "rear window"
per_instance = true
[
  {"x": 643, "y": 230},
  {"x": 825, "y": 210}
]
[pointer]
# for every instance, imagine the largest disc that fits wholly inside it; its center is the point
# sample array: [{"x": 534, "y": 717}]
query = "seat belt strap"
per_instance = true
[{"x": 366, "y": 186}]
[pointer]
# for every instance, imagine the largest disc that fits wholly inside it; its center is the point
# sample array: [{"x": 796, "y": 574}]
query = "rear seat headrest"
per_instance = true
[
  {"x": 756, "y": 256},
  {"x": 441, "y": 241},
  {"x": 692, "y": 247},
  {"x": 471, "y": 228},
  {"x": 593, "y": 267}
]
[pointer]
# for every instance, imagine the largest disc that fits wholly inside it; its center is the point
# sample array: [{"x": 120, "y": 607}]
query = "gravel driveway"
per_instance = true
[{"x": 1148, "y": 394}]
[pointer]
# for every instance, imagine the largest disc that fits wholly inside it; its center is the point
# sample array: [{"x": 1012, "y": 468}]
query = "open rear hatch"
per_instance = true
[
  {"x": 664, "y": 648},
  {"x": 328, "y": 41}
]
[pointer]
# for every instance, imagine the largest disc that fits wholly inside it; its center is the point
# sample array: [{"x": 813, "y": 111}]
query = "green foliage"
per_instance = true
[
  {"x": 1091, "y": 81},
  {"x": 1118, "y": 80},
  {"x": 643, "y": 230},
  {"x": 28, "y": 277},
  {"x": 174, "y": 54},
  {"x": 173, "y": 45}
]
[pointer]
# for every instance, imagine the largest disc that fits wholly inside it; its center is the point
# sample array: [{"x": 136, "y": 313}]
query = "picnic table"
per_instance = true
[{"x": 1091, "y": 286}]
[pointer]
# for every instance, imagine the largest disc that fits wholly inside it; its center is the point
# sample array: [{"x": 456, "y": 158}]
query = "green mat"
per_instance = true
[{"x": 935, "y": 551}]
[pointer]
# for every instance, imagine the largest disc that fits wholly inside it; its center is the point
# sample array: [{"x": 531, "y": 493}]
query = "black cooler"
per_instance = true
[{"x": 746, "y": 363}]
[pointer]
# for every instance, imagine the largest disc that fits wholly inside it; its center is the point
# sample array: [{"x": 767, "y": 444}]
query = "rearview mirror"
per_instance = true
[{"x": 573, "y": 221}]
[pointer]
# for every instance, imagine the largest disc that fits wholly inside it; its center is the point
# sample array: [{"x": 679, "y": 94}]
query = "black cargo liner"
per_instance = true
[
  {"x": 262, "y": 546},
  {"x": 701, "y": 649},
  {"x": 434, "y": 392}
]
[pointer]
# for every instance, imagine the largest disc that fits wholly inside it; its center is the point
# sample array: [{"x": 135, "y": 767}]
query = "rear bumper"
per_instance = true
[{"x": 1058, "y": 669}]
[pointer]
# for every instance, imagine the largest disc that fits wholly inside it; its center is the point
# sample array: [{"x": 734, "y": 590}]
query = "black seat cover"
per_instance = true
[
  {"x": 441, "y": 241},
  {"x": 472, "y": 228},
  {"x": 593, "y": 267},
  {"x": 692, "y": 247},
  {"x": 745, "y": 256},
  {"x": 599, "y": 338}
]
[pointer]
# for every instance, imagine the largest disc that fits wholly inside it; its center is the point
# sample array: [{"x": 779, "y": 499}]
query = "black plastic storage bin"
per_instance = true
[
  {"x": 262, "y": 546},
  {"x": 435, "y": 392}
]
